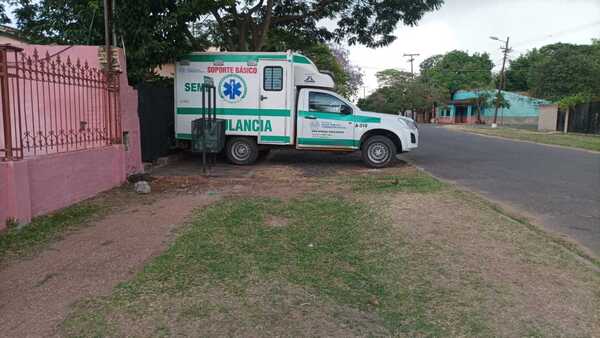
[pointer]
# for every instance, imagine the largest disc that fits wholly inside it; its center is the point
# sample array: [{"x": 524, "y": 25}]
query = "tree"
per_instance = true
[
  {"x": 156, "y": 32},
  {"x": 557, "y": 71},
  {"x": 353, "y": 78},
  {"x": 393, "y": 77},
  {"x": 458, "y": 70},
  {"x": 247, "y": 24},
  {"x": 482, "y": 101},
  {"x": 517, "y": 74},
  {"x": 3, "y": 17},
  {"x": 334, "y": 59},
  {"x": 563, "y": 70},
  {"x": 400, "y": 91}
]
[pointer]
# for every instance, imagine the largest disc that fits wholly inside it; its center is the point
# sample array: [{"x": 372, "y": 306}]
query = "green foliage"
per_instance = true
[
  {"x": 517, "y": 74},
  {"x": 501, "y": 101},
  {"x": 400, "y": 91},
  {"x": 334, "y": 59},
  {"x": 565, "y": 70},
  {"x": 157, "y": 32},
  {"x": 393, "y": 77},
  {"x": 19, "y": 240},
  {"x": 571, "y": 101},
  {"x": 458, "y": 70},
  {"x": 557, "y": 71},
  {"x": 413, "y": 183},
  {"x": 3, "y": 17}
]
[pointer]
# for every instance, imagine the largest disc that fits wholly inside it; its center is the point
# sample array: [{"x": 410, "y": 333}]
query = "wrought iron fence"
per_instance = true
[{"x": 52, "y": 104}]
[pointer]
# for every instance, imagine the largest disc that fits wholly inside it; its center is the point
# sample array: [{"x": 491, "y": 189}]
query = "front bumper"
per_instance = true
[{"x": 412, "y": 140}]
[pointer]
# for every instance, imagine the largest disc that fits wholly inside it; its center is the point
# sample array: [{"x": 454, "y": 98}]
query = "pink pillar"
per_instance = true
[{"x": 15, "y": 199}]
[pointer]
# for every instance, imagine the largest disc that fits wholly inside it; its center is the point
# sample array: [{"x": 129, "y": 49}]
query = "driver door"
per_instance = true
[{"x": 325, "y": 121}]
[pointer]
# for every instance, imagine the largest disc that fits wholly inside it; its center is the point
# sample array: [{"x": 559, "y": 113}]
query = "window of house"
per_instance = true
[{"x": 273, "y": 78}]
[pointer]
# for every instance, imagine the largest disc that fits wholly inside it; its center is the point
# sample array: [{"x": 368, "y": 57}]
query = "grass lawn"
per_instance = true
[
  {"x": 392, "y": 255},
  {"x": 20, "y": 240},
  {"x": 589, "y": 142}
]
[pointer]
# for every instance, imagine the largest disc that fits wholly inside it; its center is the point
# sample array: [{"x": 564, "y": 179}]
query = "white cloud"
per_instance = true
[{"x": 468, "y": 24}]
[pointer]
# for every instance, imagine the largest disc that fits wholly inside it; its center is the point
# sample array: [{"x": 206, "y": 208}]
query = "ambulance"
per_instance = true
[{"x": 280, "y": 99}]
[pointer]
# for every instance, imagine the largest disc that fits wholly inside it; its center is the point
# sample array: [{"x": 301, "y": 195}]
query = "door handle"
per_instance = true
[
  {"x": 310, "y": 117},
  {"x": 262, "y": 97}
]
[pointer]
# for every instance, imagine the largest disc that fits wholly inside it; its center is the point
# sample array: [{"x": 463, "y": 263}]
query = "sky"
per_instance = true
[{"x": 468, "y": 24}]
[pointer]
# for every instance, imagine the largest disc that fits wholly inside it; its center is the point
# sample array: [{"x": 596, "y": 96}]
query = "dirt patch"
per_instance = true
[
  {"x": 273, "y": 309},
  {"x": 36, "y": 293},
  {"x": 276, "y": 221},
  {"x": 517, "y": 275}
]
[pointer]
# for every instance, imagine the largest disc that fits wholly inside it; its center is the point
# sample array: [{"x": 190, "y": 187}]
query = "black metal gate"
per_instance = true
[
  {"x": 157, "y": 120},
  {"x": 585, "y": 118}
]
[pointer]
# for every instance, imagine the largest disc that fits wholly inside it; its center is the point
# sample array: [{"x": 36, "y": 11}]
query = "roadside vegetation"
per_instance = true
[
  {"x": 21, "y": 240},
  {"x": 372, "y": 259},
  {"x": 589, "y": 142}
]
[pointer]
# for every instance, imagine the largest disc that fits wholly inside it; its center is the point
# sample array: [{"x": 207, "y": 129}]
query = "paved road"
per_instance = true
[{"x": 558, "y": 187}]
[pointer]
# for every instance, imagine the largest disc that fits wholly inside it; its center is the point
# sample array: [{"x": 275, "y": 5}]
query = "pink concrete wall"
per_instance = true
[
  {"x": 14, "y": 192},
  {"x": 4, "y": 186},
  {"x": 130, "y": 121},
  {"x": 59, "y": 180},
  {"x": 41, "y": 184}
]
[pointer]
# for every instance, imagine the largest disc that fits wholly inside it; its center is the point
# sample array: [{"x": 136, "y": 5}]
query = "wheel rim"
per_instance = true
[
  {"x": 240, "y": 151},
  {"x": 378, "y": 152}
]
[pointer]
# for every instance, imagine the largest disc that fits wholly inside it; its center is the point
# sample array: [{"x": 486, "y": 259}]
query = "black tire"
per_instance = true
[
  {"x": 378, "y": 151},
  {"x": 242, "y": 150}
]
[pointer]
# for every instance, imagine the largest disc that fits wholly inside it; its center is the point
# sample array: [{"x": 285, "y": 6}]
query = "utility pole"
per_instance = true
[
  {"x": 411, "y": 60},
  {"x": 506, "y": 50},
  {"x": 107, "y": 34}
]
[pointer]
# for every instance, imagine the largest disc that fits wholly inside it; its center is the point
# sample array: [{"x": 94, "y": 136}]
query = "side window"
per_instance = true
[
  {"x": 323, "y": 102},
  {"x": 273, "y": 78}
]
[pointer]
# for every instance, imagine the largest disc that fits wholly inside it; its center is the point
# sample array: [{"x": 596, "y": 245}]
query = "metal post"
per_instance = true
[
  {"x": 203, "y": 124},
  {"x": 8, "y": 151},
  {"x": 566, "y": 127},
  {"x": 107, "y": 50}
]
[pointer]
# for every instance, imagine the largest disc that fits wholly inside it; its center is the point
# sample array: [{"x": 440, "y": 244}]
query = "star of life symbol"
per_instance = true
[{"x": 232, "y": 88}]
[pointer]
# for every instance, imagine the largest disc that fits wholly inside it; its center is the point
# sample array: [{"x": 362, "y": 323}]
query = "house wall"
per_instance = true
[
  {"x": 548, "y": 117},
  {"x": 37, "y": 185},
  {"x": 523, "y": 110}
]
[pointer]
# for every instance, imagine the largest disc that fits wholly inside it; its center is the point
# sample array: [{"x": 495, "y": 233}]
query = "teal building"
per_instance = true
[{"x": 524, "y": 110}]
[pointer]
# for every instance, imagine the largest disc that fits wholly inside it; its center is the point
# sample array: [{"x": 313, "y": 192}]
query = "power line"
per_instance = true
[{"x": 565, "y": 31}]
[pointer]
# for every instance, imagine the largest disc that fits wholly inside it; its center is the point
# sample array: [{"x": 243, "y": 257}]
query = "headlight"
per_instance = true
[{"x": 410, "y": 123}]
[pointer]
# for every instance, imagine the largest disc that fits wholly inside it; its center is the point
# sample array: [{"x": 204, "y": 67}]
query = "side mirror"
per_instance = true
[{"x": 346, "y": 110}]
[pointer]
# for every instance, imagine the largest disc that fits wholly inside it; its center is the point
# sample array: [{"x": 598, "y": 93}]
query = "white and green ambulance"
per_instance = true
[{"x": 281, "y": 99}]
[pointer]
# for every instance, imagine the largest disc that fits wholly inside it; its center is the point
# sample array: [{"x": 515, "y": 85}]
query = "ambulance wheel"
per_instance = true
[
  {"x": 378, "y": 151},
  {"x": 242, "y": 150}
]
